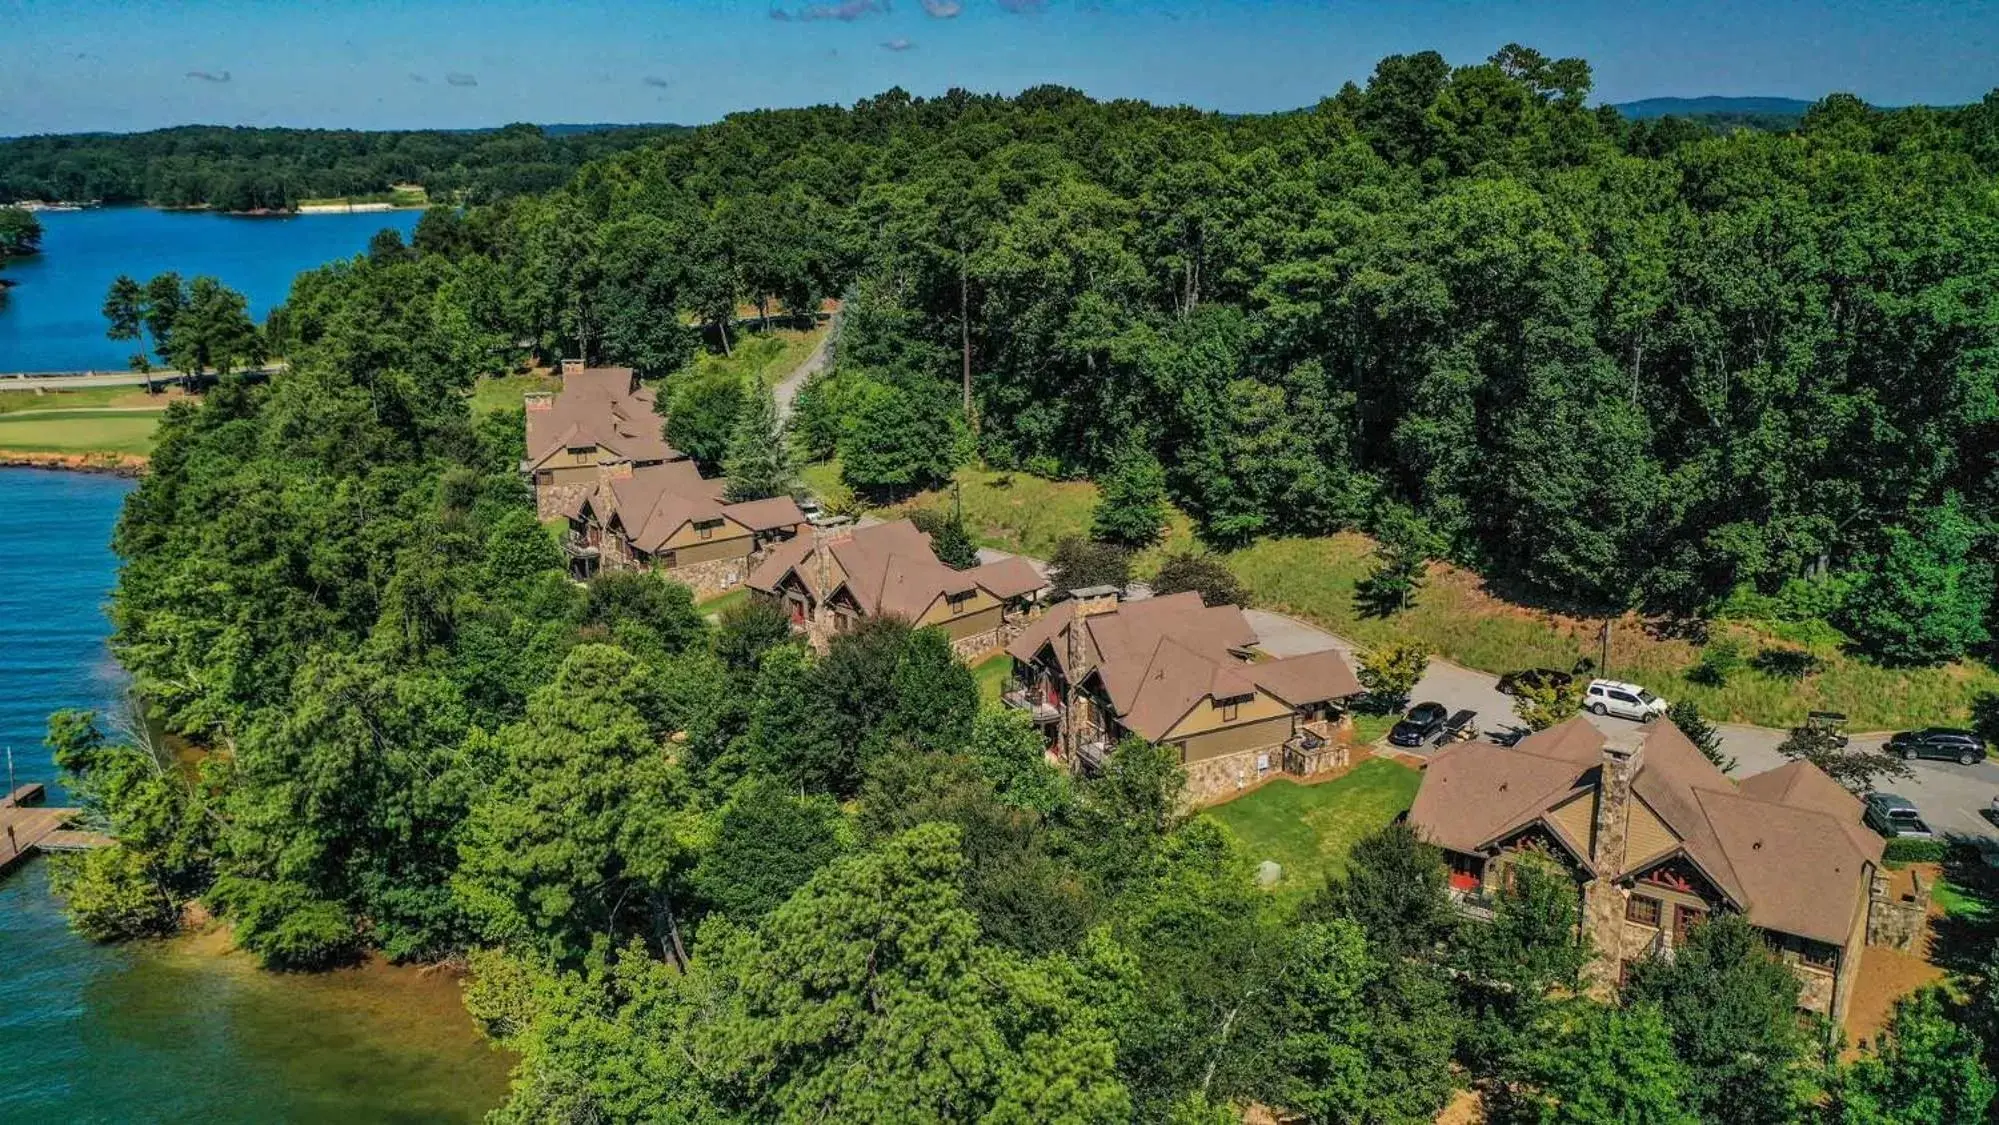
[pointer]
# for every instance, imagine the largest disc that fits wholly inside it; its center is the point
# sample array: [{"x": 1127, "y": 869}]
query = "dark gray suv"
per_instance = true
[{"x": 1942, "y": 743}]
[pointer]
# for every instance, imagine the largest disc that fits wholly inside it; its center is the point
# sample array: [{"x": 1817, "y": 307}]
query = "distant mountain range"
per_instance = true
[{"x": 1647, "y": 108}]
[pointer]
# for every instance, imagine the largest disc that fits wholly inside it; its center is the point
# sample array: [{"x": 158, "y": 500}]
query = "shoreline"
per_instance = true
[{"x": 107, "y": 464}]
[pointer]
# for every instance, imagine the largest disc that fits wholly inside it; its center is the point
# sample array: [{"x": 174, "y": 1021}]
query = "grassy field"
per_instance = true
[
  {"x": 1013, "y": 512},
  {"x": 78, "y": 431},
  {"x": 1309, "y": 829},
  {"x": 14, "y": 401},
  {"x": 768, "y": 356},
  {"x": 724, "y": 602},
  {"x": 503, "y": 392},
  {"x": 1457, "y": 618},
  {"x": 994, "y": 673}
]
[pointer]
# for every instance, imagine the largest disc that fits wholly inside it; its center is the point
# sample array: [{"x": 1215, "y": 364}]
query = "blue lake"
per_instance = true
[
  {"x": 182, "y": 1030},
  {"x": 51, "y": 320}
]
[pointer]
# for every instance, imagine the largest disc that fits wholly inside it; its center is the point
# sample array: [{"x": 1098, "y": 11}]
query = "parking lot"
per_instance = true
[{"x": 1953, "y": 799}]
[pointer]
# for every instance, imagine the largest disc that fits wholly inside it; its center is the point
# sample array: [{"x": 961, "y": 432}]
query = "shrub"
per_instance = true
[
  {"x": 1078, "y": 564},
  {"x": 946, "y": 529},
  {"x": 1721, "y": 659},
  {"x": 1787, "y": 663},
  {"x": 111, "y": 895},
  {"x": 1131, "y": 509},
  {"x": 1390, "y": 672},
  {"x": 1207, "y": 574},
  {"x": 1906, "y": 849},
  {"x": 286, "y": 925}
]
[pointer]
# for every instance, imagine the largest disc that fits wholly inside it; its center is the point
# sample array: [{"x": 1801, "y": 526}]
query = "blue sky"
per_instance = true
[{"x": 72, "y": 65}]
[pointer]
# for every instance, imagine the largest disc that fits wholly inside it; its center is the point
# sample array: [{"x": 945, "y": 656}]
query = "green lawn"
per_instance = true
[
  {"x": 79, "y": 431},
  {"x": 1010, "y": 511},
  {"x": 503, "y": 392},
  {"x": 1308, "y": 829},
  {"x": 12, "y": 400},
  {"x": 994, "y": 673},
  {"x": 1455, "y": 617},
  {"x": 769, "y": 356},
  {"x": 724, "y": 602}
]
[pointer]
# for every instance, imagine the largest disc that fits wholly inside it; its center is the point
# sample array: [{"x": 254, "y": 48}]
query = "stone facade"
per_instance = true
[
  {"x": 1604, "y": 902},
  {"x": 551, "y": 499},
  {"x": 716, "y": 576},
  {"x": 1898, "y": 910}
]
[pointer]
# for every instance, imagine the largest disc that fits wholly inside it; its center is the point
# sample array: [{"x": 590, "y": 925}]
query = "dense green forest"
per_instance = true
[
  {"x": 20, "y": 236},
  {"x": 247, "y": 169},
  {"x": 705, "y": 875},
  {"x": 1608, "y": 364}
]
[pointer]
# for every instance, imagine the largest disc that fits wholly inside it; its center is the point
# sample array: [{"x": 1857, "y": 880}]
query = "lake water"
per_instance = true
[
  {"x": 177, "y": 1031},
  {"x": 52, "y": 319}
]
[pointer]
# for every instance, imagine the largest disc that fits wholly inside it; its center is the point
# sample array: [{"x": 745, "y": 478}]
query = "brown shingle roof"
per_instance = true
[
  {"x": 603, "y": 407},
  {"x": 656, "y": 501},
  {"x": 1786, "y": 846},
  {"x": 889, "y": 569},
  {"x": 1159, "y": 657}
]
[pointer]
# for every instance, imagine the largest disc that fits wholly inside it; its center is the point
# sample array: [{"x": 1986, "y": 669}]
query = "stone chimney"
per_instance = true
[
  {"x": 538, "y": 400},
  {"x": 571, "y": 366},
  {"x": 1603, "y": 900},
  {"x": 1092, "y": 600}
]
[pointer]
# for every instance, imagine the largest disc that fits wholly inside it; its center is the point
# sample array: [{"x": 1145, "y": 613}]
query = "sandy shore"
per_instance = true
[{"x": 116, "y": 464}]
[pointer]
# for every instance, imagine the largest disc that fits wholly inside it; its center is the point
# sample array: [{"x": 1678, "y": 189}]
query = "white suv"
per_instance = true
[{"x": 1626, "y": 701}]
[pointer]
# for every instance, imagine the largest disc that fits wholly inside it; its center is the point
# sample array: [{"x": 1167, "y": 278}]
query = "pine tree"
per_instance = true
[{"x": 758, "y": 463}]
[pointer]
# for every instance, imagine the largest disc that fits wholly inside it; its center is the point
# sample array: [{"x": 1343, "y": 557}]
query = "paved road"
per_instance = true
[
  {"x": 822, "y": 354},
  {"x": 1953, "y": 798}
]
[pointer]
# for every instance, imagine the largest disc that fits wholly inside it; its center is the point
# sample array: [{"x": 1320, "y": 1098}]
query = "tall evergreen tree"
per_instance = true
[{"x": 758, "y": 462}]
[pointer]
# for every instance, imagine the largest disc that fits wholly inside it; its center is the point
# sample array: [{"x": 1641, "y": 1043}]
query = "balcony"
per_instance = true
[
  {"x": 577, "y": 549},
  {"x": 1093, "y": 751},
  {"x": 1034, "y": 703}
]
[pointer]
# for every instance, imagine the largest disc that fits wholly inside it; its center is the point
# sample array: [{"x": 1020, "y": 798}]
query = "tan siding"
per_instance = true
[
  {"x": 940, "y": 613},
  {"x": 967, "y": 624},
  {"x": 1578, "y": 818},
  {"x": 1648, "y": 836},
  {"x": 687, "y": 536},
  {"x": 709, "y": 551},
  {"x": 572, "y": 474},
  {"x": 1207, "y": 717},
  {"x": 1267, "y": 733}
]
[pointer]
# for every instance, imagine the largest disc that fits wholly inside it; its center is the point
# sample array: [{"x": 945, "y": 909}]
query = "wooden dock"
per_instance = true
[{"x": 27, "y": 826}]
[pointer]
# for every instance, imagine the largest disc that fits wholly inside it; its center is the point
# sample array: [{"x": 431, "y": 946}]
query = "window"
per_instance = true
[
  {"x": 667, "y": 560},
  {"x": 1623, "y": 697},
  {"x": 1685, "y": 918},
  {"x": 706, "y": 528},
  {"x": 1230, "y": 710},
  {"x": 1642, "y": 910},
  {"x": 544, "y": 476}
]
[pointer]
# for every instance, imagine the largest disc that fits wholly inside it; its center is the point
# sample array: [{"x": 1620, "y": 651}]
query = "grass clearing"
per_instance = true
[
  {"x": 79, "y": 431},
  {"x": 503, "y": 392},
  {"x": 994, "y": 673},
  {"x": 769, "y": 356},
  {"x": 1309, "y": 829},
  {"x": 724, "y": 602},
  {"x": 1457, "y": 618},
  {"x": 1010, "y": 511}
]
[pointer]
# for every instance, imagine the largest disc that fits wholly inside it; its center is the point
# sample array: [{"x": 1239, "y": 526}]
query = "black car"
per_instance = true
[
  {"x": 1420, "y": 725},
  {"x": 1943, "y": 743}
]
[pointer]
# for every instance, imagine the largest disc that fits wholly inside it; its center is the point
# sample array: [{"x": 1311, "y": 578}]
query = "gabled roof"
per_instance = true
[
  {"x": 1787, "y": 847},
  {"x": 656, "y": 501},
  {"x": 603, "y": 407},
  {"x": 890, "y": 569},
  {"x": 1158, "y": 657}
]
